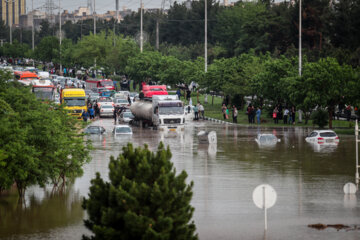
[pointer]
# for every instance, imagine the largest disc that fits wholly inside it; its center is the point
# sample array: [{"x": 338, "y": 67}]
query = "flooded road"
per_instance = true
[{"x": 308, "y": 179}]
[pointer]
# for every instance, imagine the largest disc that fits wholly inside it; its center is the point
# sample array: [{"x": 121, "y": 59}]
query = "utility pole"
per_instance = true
[
  {"x": 12, "y": 2},
  {"x": 117, "y": 11},
  {"x": 300, "y": 54},
  {"x": 33, "y": 28},
  {"x": 94, "y": 16},
  {"x": 60, "y": 33},
  {"x": 141, "y": 27},
  {"x": 205, "y": 35},
  {"x": 157, "y": 34}
]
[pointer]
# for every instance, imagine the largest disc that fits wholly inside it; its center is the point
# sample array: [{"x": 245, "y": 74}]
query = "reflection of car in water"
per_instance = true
[
  {"x": 94, "y": 130},
  {"x": 323, "y": 140},
  {"x": 122, "y": 129},
  {"x": 268, "y": 140}
]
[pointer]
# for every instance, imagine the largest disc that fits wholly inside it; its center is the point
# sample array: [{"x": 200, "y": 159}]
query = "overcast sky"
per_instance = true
[{"x": 101, "y": 5}]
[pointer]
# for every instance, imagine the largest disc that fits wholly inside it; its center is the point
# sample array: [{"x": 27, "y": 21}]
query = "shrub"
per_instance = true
[{"x": 320, "y": 117}]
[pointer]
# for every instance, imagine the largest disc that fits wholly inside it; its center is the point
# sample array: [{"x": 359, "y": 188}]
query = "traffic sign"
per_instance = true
[
  {"x": 264, "y": 197},
  {"x": 350, "y": 188}
]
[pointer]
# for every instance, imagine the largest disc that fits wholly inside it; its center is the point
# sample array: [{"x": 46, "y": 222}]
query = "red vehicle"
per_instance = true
[
  {"x": 100, "y": 83},
  {"x": 150, "y": 90},
  {"x": 25, "y": 77}
]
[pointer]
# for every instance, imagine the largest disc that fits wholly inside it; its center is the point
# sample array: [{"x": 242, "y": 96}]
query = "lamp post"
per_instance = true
[
  {"x": 300, "y": 54},
  {"x": 60, "y": 34},
  {"x": 141, "y": 27},
  {"x": 205, "y": 36},
  {"x": 32, "y": 28}
]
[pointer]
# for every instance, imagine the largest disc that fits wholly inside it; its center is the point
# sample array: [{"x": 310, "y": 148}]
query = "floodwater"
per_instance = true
[{"x": 308, "y": 179}]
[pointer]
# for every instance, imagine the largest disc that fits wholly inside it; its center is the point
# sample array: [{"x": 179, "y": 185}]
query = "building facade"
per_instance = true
[{"x": 11, "y": 10}]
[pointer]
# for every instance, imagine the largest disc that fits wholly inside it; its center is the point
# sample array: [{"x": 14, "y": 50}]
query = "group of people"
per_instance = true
[
  {"x": 252, "y": 113},
  {"x": 91, "y": 113},
  {"x": 288, "y": 115},
  {"x": 199, "y": 111}
]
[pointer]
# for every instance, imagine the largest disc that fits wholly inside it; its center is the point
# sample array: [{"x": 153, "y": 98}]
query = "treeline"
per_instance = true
[
  {"x": 38, "y": 143},
  {"x": 330, "y": 29}
]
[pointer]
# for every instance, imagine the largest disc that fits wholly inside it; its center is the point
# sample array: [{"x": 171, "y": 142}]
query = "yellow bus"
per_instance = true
[{"x": 74, "y": 100}]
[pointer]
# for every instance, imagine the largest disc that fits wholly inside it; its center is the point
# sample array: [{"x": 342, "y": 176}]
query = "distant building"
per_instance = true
[{"x": 11, "y": 10}]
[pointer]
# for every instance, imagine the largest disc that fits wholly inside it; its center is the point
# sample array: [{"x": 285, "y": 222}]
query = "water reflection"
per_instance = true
[
  {"x": 39, "y": 213},
  {"x": 308, "y": 184},
  {"x": 323, "y": 147}
]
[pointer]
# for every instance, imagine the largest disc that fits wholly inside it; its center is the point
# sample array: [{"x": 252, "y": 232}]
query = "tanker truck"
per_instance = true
[{"x": 164, "y": 112}]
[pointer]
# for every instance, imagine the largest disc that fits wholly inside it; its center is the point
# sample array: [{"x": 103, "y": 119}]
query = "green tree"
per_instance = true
[
  {"x": 143, "y": 200},
  {"x": 48, "y": 49},
  {"x": 326, "y": 83},
  {"x": 41, "y": 144}
]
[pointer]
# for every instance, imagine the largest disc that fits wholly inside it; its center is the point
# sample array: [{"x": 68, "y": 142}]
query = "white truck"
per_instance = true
[{"x": 164, "y": 112}]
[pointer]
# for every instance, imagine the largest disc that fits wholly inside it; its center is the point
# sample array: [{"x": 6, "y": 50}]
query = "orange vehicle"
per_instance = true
[{"x": 25, "y": 77}]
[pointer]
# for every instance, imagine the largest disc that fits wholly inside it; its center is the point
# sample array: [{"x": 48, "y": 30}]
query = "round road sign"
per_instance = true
[
  {"x": 264, "y": 196},
  {"x": 349, "y": 188}
]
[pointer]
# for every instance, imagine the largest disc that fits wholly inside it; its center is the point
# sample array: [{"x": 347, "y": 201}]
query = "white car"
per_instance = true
[
  {"x": 267, "y": 140},
  {"x": 126, "y": 117},
  {"x": 107, "y": 110},
  {"x": 120, "y": 102},
  {"x": 122, "y": 130},
  {"x": 322, "y": 137}
]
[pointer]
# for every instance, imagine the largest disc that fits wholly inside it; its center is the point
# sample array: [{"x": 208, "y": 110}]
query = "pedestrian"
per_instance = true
[
  {"x": 223, "y": 110},
  {"x": 227, "y": 113},
  {"x": 248, "y": 112},
  {"x": 91, "y": 111},
  {"x": 258, "y": 115},
  {"x": 115, "y": 115},
  {"x": 202, "y": 111},
  {"x": 293, "y": 113},
  {"x": 275, "y": 117},
  {"x": 253, "y": 113},
  {"x": 235, "y": 114},
  {"x": 286, "y": 113},
  {"x": 85, "y": 115},
  {"x": 178, "y": 93},
  {"x": 196, "y": 112},
  {"x": 300, "y": 113},
  {"x": 129, "y": 100}
]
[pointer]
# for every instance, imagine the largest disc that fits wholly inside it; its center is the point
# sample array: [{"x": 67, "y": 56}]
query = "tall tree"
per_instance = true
[{"x": 143, "y": 200}]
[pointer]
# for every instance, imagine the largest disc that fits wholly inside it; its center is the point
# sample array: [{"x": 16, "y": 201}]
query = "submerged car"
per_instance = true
[
  {"x": 94, "y": 130},
  {"x": 126, "y": 117},
  {"x": 267, "y": 139},
  {"x": 122, "y": 129},
  {"x": 323, "y": 137}
]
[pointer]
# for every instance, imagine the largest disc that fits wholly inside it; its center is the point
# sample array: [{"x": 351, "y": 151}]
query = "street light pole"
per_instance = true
[
  {"x": 206, "y": 36},
  {"x": 32, "y": 28},
  {"x": 300, "y": 42},
  {"x": 141, "y": 27},
  {"x": 60, "y": 34},
  {"x": 94, "y": 16}
]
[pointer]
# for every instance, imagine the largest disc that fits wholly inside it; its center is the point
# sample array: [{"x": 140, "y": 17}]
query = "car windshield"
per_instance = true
[
  {"x": 267, "y": 138},
  {"x": 121, "y": 101},
  {"x": 327, "y": 134},
  {"x": 93, "y": 130},
  {"x": 44, "y": 93},
  {"x": 133, "y": 94},
  {"x": 123, "y": 130},
  {"x": 104, "y": 100},
  {"x": 74, "y": 101},
  {"x": 107, "y": 106},
  {"x": 107, "y": 83},
  {"x": 171, "y": 108},
  {"x": 128, "y": 115}
]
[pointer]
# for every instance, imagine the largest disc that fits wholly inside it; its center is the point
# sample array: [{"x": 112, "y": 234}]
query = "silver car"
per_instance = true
[
  {"x": 126, "y": 117},
  {"x": 106, "y": 110},
  {"x": 122, "y": 130}
]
